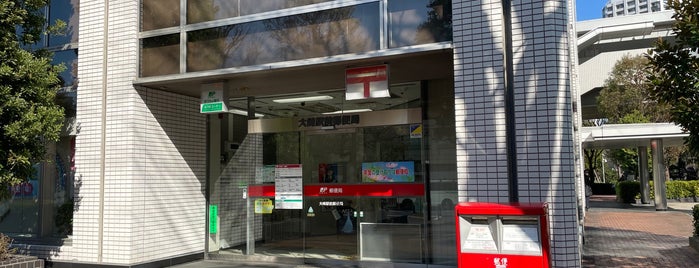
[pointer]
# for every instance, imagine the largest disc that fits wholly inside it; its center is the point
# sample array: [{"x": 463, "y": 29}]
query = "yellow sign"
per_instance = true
[
  {"x": 264, "y": 206},
  {"x": 415, "y": 131}
]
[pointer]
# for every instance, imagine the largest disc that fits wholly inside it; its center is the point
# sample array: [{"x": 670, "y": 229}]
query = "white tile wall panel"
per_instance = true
[
  {"x": 479, "y": 96},
  {"x": 240, "y": 170},
  {"x": 154, "y": 164},
  {"x": 543, "y": 111},
  {"x": 172, "y": 212}
]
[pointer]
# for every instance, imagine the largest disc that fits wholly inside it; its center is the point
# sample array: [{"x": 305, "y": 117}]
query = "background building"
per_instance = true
[{"x": 615, "y": 8}]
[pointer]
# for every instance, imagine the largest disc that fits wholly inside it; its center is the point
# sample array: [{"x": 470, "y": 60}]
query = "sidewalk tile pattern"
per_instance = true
[{"x": 638, "y": 238}]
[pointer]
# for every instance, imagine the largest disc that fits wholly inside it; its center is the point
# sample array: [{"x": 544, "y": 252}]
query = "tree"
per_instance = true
[
  {"x": 624, "y": 98},
  {"x": 674, "y": 70},
  {"x": 592, "y": 159},
  {"x": 29, "y": 115}
]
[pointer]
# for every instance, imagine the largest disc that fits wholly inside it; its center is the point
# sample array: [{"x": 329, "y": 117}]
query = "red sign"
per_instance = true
[
  {"x": 367, "y": 82},
  {"x": 376, "y": 190}
]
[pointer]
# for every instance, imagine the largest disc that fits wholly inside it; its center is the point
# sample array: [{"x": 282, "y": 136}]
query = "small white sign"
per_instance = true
[{"x": 213, "y": 99}]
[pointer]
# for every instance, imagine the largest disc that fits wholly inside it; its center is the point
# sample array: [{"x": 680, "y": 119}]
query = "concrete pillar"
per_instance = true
[
  {"x": 656, "y": 146},
  {"x": 214, "y": 176},
  {"x": 643, "y": 174}
]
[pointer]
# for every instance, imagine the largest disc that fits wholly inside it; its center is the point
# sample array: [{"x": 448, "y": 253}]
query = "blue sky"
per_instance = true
[{"x": 589, "y": 9}]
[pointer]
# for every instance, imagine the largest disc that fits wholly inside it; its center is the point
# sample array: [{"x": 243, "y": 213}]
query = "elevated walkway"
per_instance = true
[{"x": 614, "y": 136}]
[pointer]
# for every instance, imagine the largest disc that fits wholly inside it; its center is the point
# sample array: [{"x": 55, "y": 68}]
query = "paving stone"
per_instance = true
[{"x": 618, "y": 235}]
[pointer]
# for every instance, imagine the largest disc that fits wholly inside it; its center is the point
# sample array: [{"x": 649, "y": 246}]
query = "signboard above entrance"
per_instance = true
[
  {"x": 213, "y": 99},
  {"x": 367, "y": 119},
  {"x": 367, "y": 82}
]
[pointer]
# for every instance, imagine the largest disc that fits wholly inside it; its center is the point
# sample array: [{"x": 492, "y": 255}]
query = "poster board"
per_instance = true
[
  {"x": 388, "y": 171},
  {"x": 288, "y": 186}
]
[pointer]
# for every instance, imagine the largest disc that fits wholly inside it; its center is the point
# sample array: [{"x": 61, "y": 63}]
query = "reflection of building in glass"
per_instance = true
[
  {"x": 41, "y": 207},
  {"x": 615, "y": 8}
]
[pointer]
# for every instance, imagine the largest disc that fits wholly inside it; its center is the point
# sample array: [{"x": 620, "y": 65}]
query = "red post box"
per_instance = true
[{"x": 502, "y": 235}]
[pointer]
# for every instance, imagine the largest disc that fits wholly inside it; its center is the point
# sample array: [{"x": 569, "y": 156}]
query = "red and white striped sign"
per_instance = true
[{"x": 367, "y": 82}]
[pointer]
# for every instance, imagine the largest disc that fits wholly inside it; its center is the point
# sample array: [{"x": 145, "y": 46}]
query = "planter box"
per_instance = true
[{"x": 22, "y": 261}]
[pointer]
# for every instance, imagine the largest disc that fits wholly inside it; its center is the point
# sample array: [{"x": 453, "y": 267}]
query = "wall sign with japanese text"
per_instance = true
[{"x": 326, "y": 121}]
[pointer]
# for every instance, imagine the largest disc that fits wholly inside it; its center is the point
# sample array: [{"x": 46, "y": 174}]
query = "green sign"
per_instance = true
[
  {"x": 213, "y": 216},
  {"x": 212, "y": 107}
]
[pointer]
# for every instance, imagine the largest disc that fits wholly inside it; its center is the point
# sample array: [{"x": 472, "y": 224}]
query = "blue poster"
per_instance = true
[{"x": 388, "y": 172}]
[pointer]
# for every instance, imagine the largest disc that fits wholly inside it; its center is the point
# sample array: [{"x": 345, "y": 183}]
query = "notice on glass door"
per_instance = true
[{"x": 288, "y": 187}]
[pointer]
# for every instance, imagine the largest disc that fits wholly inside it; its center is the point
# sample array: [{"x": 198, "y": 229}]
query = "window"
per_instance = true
[
  {"x": 419, "y": 22},
  {"x": 160, "y": 55},
  {"x": 207, "y": 10},
  {"x": 157, "y": 14},
  {"x": 67, "y": 11},
  {"x": 339, "y": 31}
]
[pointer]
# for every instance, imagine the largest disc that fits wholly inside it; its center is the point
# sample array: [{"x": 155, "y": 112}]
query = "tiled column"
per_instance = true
[
  {"x": 139, "y": 168},
  {"x": 542, "y": 110}
]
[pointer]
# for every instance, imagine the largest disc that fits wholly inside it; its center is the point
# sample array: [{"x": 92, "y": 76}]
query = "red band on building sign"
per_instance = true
[{"x": 376, "y": 190}]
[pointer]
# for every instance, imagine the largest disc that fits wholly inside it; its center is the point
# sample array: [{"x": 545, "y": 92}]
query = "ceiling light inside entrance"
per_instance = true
[
  {"x": 304, "y": 99},
  {"x": 241, "y": 112},
  {"x": 349, "y": 111}
]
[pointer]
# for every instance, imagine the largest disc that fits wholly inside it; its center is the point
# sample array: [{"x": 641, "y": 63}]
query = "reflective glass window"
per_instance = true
[
  {"x": 69, "y": 59},
  {"x": 319, "y": 34},
  {"x": 207, "y": 10},
  {"x": 160, "y": 55},
  {"x": 157, "y": 14},
  {"x": 67, "y": 11},
  {"x": 41, "y": 41},
  {"x": 419, "y": 22},
  {"x": 19, "y": 209}
]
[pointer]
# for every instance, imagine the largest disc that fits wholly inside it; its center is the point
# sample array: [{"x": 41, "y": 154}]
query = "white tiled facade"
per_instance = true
[
  {"x": 543, "y": 112},
  {"x": 141, "y": 152},
  {"x": 140, "y": 172}
]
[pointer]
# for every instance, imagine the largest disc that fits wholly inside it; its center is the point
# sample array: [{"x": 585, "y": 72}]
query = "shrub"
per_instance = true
[
  {"x": 681, "y": 189},
  {"x": 6, "y": 252},
  {"x": 695, "y": 214},
  {"x": 626, "y": 191},
  {"x": 64, "y": 218},
  {"x": 677, "y": 189},
  {"x": 603, "y": 188}
]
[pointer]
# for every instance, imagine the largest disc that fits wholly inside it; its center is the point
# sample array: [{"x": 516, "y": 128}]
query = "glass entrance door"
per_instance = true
[
  {"x": 331, "y": 229},
  {"x": 365, "y": 228},
  {"x": 360, "y": 178}
]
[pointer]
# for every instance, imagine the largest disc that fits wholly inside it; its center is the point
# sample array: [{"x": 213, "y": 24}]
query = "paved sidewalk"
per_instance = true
[
  {"x": 623, "y": 235},
  {"x": 616, "y": 235}
]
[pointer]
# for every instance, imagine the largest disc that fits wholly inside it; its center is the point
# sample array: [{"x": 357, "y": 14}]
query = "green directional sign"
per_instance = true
[
  {"x": 212, "y": 107},
  {"x": 213, "y": 219}
]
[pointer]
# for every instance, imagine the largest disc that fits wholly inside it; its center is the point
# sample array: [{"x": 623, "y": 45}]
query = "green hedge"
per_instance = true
[
  {"x": 603, "y": 188},
  {"x": 626, "y": 191},
  {"x": 673, "y": 190}
]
